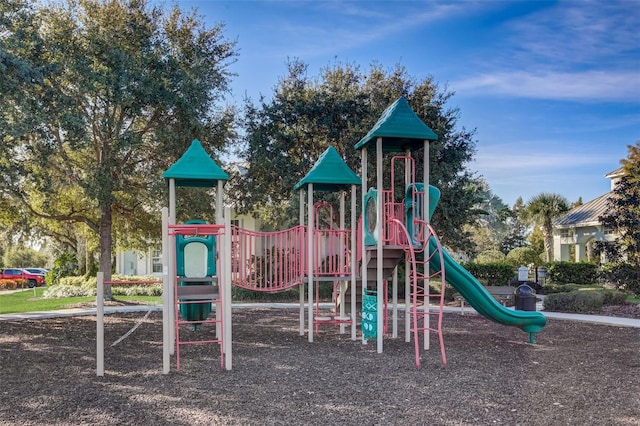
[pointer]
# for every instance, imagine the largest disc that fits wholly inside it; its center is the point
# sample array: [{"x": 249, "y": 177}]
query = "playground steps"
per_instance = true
[
  {"x": 392, "y": 255},
  {"x": 195, "y": 299}
]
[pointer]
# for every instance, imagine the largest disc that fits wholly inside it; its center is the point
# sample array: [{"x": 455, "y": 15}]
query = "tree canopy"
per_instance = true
[
  {"x": 623, "y": 215},
  {"x": 98, "y": 98},
  {"x": 287, "y": 133},
  {"x": 540, "y": 211}
]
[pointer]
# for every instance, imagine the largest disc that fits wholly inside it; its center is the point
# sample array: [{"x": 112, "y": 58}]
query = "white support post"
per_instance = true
[
  {"x": 301, "y": 293},
  {"x": 100, "y": 325},
  {"x": 394, "y": 302},
  {"x": 354, "y": 263},
  {"x": 219, "y": 201},
  {"x": 166, "y": 301},
  {"x": 225, "y": 286},
  {"x": 310, "y": 254},
  {"x": 379, "y": 259},
  {"x": 407, "y": 263},
  {"x": 341, "y": 259},
  {"x": 425, "y": 213},
  {"x": 220, "y": 220},
  {"x": 363, "y": 266},
  {"x": 172, "y": 267}
]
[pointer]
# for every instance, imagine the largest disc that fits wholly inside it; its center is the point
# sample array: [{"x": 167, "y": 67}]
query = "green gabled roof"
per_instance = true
[
  {"x": 329, "y": 173},
  {"x": 195, "y": 168},
  {"x": 400, "y": 129}
]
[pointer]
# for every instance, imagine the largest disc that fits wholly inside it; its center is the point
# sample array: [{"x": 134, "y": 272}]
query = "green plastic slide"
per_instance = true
[
  {"x": 466, "y": 284},
  {"x": 481, "y": 300}
]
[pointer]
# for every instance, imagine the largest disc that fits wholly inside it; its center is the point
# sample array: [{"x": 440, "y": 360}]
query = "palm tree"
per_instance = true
[{"x": 541, "y": 210}]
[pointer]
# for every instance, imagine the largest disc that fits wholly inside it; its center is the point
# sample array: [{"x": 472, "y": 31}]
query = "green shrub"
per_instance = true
[
  {"x": 137, "y": 290},
  {"x": 243, "y": 295},
  {"x": 490, "y": 256},
  {"x": 65, "y": 265},
  {"x": 78, "y": 281},
  {"x": 86, "y": 286},
  {"x": 574, "y": 301},
  {"x": 63, "y": 290},
  {"x": 621, "y": 276},
  {"x": 559, "y": 288},
  {"x": 613, "y": 297},
  {"x": 523, "y": 256},
  {"x": 583, "y": 301},
  {"x": 491, "y": 273},
  {"x": 571, "y": 272}
]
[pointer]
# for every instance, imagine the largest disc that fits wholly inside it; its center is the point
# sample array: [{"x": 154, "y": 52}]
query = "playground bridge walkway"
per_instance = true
[{"x": 277, "y": 261}]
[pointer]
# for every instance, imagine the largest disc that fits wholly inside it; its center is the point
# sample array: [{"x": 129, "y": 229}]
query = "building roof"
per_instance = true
[
  {"x": 329, "y": 173},
  {"x": 619, "y": 172},
  {"x": 195, "y": 168},
  {"x": 587, "y": 214},
  {"x": 400, "y": 129}
]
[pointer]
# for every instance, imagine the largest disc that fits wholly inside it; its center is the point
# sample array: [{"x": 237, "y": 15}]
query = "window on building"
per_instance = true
[
  {"x": 566, "y": 233},
  {"x": 156, "y": 259}
]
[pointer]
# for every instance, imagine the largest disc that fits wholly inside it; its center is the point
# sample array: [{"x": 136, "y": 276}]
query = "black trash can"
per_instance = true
[{"x": 525, "y": 298}]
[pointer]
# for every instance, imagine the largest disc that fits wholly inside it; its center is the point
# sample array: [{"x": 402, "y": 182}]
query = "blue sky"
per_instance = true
[{"x": 552, "y": 88}]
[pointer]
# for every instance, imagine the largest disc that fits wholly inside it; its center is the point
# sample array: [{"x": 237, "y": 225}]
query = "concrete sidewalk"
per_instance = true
[{"x": 595, "y": 319}]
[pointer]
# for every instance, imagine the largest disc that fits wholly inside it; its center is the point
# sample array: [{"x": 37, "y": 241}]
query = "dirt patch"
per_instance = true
[
  {"x": 574, "y": 374},
  {"x": 628, "y": 310}
]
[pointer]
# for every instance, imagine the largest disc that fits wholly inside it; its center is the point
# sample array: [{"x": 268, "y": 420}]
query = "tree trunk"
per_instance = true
[
  {"x": 105, "y": 247},
  {"x": 547, "y": 234},
  {"x": 81, "y": 255}
]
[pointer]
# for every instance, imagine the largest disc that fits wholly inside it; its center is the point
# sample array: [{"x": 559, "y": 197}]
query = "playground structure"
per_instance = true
[{"x": 201, "y": 262}]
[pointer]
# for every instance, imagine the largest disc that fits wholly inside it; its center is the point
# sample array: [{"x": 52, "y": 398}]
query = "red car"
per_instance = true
[{"x": 20, "y": 274}]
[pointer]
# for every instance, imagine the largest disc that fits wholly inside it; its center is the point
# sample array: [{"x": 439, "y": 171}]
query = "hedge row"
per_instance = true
[
  {"x": 572, "y": 272},
  {"x": 500, "y": 273},
  {"x": 583, "y": 301}
]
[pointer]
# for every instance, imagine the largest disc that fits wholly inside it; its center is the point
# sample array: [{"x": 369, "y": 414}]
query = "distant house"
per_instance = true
[{"x": 576, "y": 231}]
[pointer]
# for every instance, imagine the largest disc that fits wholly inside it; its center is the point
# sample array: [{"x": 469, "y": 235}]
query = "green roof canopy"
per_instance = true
[
  {"x": 195, "y": 168},
  {"x": 400, "y": 129},
  {"x": 329, "y": 173}
]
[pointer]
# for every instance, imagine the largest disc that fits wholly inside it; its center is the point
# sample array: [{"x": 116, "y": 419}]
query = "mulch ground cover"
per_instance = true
[{"x": 574, "y": 374}]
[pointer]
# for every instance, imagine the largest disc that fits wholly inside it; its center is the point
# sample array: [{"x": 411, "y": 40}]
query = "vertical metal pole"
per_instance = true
[
  {"x": 220, "y": 220},
  {"x": 172, "y": 266},
  {"x": 380, "y": 257},
  {"x": 219, "y": 201},
  {"x": 354, "y": 263},
  {"x": 394, "y": 303},
  {"x": 407, "y": 264},
  {"x": 425, "y": 213},
  {"x": 226, "y": 293},
  {"x": 341, "y": 259},
  {"x": 301, "y": 293},
  {"x": 166, "y": 300},
  {"x": 100, "y": 325},
  {"x": 363, "y": 251},
  {"x": 310, "y": 255}
]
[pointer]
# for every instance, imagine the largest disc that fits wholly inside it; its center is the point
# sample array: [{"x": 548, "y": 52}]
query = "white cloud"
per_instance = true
[
  {"x": 356, "y": 25},
  {"x": 580, "y": 85}
]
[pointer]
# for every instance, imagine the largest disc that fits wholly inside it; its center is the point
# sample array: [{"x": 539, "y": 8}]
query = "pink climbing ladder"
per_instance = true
[
  {"x": 424, "y": 305},
  {"x": 205, "y": 291}
]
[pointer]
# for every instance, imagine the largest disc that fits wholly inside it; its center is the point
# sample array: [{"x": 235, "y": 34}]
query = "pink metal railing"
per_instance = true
[
  {"x": 332, "y": 252},
  {"x": 268, "y": 261}
]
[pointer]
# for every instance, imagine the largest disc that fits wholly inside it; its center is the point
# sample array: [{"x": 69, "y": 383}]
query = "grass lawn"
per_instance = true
[{"x": 25, "y": 301}]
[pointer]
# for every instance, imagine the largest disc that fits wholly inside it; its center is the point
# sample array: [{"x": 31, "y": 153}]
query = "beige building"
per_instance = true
[{"x": 576, "y": 231}]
